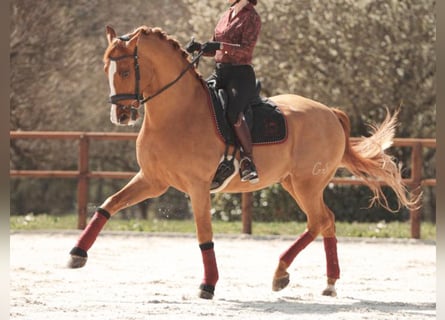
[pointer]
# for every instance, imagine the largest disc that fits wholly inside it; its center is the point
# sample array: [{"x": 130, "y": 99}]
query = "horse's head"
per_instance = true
[
  {"x": 121, "y": 65},
  {"x": 150, "y": 71}
]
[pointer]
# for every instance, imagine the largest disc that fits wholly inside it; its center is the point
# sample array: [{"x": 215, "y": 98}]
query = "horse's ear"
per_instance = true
[{"x": 111, "y": 34}]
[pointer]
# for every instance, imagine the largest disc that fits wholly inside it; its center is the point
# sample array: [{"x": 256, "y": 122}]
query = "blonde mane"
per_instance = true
[{"x": 156, "y": 31}]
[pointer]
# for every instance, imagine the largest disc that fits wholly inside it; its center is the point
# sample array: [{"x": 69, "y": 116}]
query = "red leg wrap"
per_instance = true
[
  {"x": 289, "y": 255},
  {"x": 90, "y": 233},
  {"x": 210, "y": 267},
  {"x": 332, "y": 267}
]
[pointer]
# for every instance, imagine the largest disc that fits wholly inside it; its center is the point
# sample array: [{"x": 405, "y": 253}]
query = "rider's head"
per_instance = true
[{"x": 254, "y": 2}]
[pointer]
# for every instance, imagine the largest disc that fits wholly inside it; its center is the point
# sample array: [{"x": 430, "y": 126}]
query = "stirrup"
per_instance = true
[
  {"x": 224, "y": 173},
  {"x": 249, "y": 173}
]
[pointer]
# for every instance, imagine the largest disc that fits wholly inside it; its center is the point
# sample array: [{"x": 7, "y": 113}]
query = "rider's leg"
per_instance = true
[{"x": 248, "y": 170}]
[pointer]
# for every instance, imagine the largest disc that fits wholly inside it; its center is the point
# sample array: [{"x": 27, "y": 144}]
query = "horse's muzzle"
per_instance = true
[{"x": 123, "y": 115}]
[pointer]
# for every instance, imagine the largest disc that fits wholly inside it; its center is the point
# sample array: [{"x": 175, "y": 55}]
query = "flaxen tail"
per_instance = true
[{"x": 367, "y": 160}]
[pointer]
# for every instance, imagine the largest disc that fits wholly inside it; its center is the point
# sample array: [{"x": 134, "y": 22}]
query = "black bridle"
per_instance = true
[
  {"x": 114, "y": 99},
  {"x": 137, "y": 95}
]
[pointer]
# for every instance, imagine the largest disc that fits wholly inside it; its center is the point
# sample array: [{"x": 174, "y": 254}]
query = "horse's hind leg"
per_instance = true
[
  {"x": 136, "y": 190},
  {"x": 281, "y": 278},
  {"x": 319, "y": 219},
  {"x": 332, "y": 266}
]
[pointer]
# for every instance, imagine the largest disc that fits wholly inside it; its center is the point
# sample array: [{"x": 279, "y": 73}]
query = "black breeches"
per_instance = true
[{"x": 239, "y": 83}]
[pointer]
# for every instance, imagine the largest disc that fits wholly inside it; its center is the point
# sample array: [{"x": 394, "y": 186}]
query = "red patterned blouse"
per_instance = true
[{"x": 243, "y": 30}]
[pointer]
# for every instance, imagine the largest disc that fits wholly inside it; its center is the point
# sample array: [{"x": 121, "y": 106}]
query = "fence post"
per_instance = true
[
  {"x": 415, "y": 188},
  {"x": 82, "y": 184},
  {"x": 246, "y": 211}
]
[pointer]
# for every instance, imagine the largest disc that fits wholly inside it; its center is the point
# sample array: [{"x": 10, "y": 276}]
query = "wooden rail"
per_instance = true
[{"x": 83, "y": 174}]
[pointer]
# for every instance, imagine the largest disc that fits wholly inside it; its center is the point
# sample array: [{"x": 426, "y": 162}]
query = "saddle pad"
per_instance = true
[{"x": 267, "y": 122}]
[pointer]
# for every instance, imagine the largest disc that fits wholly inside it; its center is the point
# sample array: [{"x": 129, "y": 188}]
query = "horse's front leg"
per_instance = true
[
  {"x": 200, "y": 199},
  {"x": 136, "y": 190}
]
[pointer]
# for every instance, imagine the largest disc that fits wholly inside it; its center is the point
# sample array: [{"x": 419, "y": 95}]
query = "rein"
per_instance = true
[
  {"x": 114, "y": 99},
  {"x": 168, "y": 85}
]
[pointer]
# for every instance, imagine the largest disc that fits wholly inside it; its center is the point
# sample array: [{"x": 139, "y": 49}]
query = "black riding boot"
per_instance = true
[{"x": 247, "y": 167}]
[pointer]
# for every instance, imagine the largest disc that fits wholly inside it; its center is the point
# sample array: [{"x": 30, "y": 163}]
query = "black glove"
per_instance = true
[
  {"x": 210, "y": 46},
  {"x": 193, "y": 46}
]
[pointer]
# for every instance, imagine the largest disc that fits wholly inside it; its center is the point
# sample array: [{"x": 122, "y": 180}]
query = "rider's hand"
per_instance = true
[
  {"x": 193, "y": 46},
  {"x": 210, "y": 46}
]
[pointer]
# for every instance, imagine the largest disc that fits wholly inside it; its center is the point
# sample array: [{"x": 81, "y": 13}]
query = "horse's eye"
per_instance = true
[{"x": 124, "y": 74}]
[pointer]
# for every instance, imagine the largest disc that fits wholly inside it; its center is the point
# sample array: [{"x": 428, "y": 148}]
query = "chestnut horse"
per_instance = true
[{"x": 179, "y": 146}]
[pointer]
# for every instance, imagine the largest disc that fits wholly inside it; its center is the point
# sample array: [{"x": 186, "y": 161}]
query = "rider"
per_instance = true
[{"x": 232, "y": 46}]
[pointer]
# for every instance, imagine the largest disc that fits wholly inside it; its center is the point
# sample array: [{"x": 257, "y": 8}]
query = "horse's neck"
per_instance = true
[{"x": 182, "y": 104}]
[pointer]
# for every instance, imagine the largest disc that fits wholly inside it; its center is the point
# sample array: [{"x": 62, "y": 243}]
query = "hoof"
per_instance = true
[
  {"x": 280, "y": 283},
  {"x": 206, "y": 291},
  {"x": 330, "y": 291},
  {"x": 76, "y": 261},
  {"x": 78, "y": 258},
  {"x": 205, "y": 295}
]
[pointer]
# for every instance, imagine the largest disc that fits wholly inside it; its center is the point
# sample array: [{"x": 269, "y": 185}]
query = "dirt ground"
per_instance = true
[{"x": 151, "y": 276}]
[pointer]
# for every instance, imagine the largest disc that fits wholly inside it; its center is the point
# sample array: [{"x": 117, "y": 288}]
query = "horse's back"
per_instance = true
[
  {"x": 292, "y": 103},
  {"x": 309, "y": 116}
]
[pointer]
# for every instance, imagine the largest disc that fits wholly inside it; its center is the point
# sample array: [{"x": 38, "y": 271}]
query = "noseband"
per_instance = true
[{"x": 137, "y": 95}]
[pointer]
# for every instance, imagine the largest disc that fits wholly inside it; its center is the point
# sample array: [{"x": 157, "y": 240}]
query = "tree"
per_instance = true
[{"x": 361, "y": 56}]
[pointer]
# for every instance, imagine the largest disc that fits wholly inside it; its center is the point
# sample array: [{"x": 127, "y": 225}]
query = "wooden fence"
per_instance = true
[{"x": 415, "y": 182}]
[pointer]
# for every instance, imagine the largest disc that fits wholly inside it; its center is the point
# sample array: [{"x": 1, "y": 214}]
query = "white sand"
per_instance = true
[{"x": 144, "y": 276}]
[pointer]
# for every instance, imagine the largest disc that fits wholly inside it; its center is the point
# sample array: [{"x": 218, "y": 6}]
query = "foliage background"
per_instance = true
[{"x": 361, "y": 55}]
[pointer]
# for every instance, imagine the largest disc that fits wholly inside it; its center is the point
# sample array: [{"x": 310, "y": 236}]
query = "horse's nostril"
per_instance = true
[{"x": 123, "y": 118}]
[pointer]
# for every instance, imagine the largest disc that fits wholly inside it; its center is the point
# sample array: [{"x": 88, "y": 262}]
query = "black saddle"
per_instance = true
[{"x": 266, "y": 122}]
